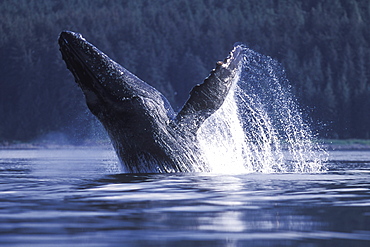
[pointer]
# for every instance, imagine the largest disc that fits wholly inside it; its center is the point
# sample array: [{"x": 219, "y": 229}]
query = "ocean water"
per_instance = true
[{"x": 79, "y": 197}]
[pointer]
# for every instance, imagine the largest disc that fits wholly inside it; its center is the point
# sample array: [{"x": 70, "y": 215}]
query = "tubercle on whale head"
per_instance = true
[
  {"x": 102, "y": 80},
  {"x": 91, "y": 67},
  {"x": 108, "y": 74}
]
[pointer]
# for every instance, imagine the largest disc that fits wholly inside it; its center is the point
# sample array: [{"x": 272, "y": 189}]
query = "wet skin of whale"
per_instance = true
[{"x": 145, "y": 131}]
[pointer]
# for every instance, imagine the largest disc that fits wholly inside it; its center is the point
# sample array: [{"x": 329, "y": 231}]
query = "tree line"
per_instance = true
[{"x": 323, "y": 45}]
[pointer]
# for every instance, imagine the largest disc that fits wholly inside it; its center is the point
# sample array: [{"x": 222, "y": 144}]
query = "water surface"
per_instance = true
[{"x": 79, "y": 198}]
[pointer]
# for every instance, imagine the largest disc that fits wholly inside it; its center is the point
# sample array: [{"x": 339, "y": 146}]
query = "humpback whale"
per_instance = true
[{"x": 146, "y": 133}]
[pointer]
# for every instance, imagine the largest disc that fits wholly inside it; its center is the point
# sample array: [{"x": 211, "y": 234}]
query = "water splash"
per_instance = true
[{"x": 260, "y": 127}]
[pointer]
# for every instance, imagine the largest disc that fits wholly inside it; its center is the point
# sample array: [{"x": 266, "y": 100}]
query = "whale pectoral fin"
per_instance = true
[{"x": 208, "y": 97}]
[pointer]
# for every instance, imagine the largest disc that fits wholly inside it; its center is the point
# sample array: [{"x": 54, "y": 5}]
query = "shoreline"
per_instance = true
[
  {"x": 345, "y": 145},
  {"x": 35, "y": 146},
  {"x": 328, "y": 145}
]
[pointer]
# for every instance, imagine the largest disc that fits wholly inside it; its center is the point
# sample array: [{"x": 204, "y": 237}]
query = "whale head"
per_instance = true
[{"x": 105, "y": 82}]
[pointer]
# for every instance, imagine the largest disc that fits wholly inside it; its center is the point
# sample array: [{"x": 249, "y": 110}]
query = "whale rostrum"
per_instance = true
[{"x": 147, "y": 135}]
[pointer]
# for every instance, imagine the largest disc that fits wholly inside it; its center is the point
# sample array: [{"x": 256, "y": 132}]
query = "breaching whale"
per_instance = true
[{"x": 146, "y": 133}]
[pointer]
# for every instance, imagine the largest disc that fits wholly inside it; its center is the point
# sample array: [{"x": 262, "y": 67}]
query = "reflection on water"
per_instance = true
[{"x": 78, "y": 197}]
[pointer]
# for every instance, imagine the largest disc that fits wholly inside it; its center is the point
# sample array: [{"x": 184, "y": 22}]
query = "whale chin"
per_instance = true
[{"x": 146, "y": 133}]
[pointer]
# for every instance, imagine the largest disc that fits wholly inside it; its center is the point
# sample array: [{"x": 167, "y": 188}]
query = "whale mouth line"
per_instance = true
[
  {"x": 84, "y": 75},
  {"x": 92, "y": 70},
  {"x": 73, "y": 57}
]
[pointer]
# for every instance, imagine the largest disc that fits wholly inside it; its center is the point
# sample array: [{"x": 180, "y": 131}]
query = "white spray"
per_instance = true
[{"x": 259, "y": 128}]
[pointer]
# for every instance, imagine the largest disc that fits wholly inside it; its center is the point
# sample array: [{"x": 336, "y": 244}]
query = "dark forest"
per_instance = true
[{"x": 173, "y": 45}]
